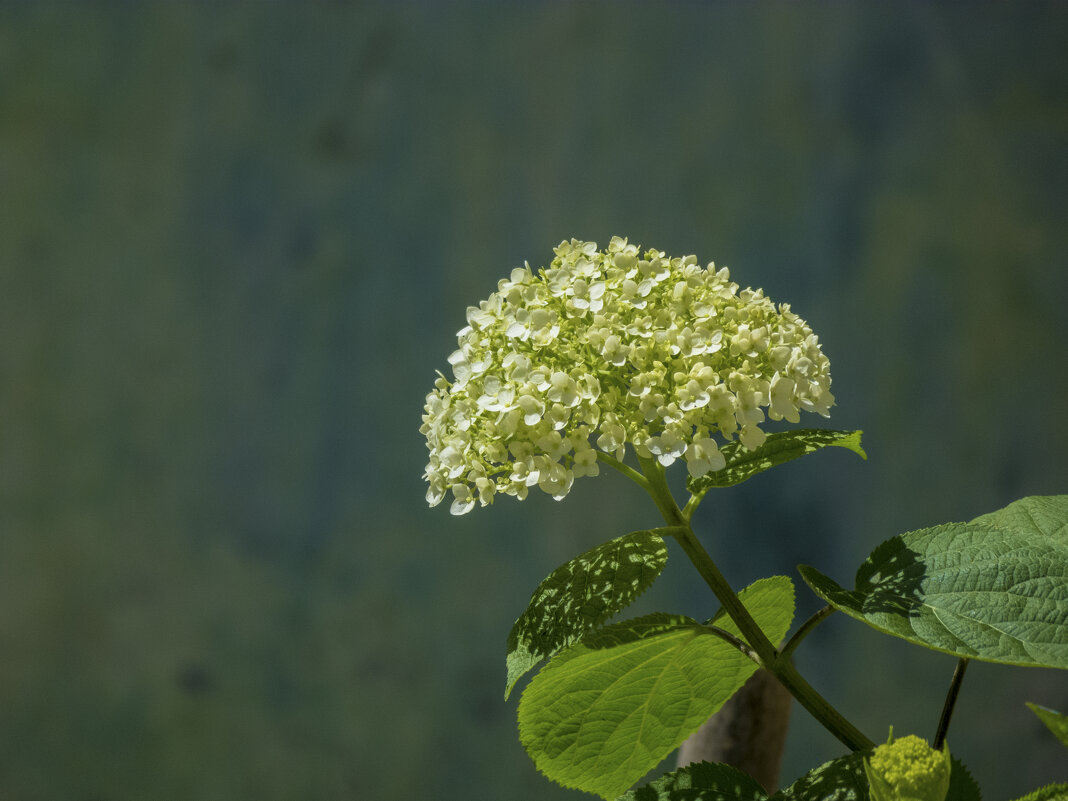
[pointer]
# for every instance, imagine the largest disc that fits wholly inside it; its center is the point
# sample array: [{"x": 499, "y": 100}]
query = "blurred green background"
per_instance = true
[{"x": 236, "y": 240}]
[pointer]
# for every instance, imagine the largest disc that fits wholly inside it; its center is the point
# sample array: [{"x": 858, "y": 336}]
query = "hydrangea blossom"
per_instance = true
[{"x": 605, "y": 349}]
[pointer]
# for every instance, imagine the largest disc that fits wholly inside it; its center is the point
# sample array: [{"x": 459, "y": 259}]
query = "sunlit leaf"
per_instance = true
[
  {"x": 994, "y": 589},
  {"x": 580, "y": 595},
  {"x": 777, "y": 448},
  {"x": 606, "y": 710}
]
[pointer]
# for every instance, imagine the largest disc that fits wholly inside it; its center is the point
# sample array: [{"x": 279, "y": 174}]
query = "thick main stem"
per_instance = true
[
  {"x": 820, "y": 708},
  {"x": 782, "y": 669},
  {"x": 726, "y": 595},
  {"x": 766, "y": 652}
]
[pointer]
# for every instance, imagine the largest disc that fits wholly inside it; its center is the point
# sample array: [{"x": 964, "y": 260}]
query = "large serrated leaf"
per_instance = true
[
  {"x": 994, "y": 589},
  {"x": 580, "y": 595},
  {"x": 701, "y": 781},
  {"x": 777, "y": 448},
  {"x": 606, "y": 710},
  {"x": 1055, "y": 721}
]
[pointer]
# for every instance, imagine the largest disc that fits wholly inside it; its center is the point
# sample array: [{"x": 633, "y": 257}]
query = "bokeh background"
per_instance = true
[{"x": 236, "y": 240}]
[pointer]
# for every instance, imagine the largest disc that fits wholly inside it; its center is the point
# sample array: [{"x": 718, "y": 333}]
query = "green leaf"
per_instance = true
[
  {"x": 1055, "y": 721},
  {"x": 701, "y": 781},
  {"x": 580, "y": 595},
  {"x": 1051, "y": 792},
  {"x": 962, "y": 787},
  {"x": 608, "y": 709},
  {"x": 994, "y": 589},
  {"x": 777, "y": 448},
  {"x": 843, "y": 779},
  {"x": 840, "y": 779}
]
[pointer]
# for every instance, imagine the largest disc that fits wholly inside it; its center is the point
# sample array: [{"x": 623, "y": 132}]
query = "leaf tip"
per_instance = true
[{"x": 857, "y": 447}]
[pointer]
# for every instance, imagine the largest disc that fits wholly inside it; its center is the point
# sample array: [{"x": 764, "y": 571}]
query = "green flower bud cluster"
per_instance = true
[
  {"x": 908, "y": 769},
  {"x": 605, "y": 349}
]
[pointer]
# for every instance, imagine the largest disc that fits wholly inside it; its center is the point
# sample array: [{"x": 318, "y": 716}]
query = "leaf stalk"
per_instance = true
[
  {"x": 951, "y": 702},
  {"x": 806, "y": 628}
]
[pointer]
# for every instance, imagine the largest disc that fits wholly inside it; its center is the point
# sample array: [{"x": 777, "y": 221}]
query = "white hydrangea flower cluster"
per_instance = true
[{"x": 618, "y": 347}]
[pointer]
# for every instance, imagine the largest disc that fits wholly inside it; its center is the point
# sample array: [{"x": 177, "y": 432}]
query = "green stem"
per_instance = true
[
  {"x": 805, "y": 629},
  {"x": 752, "y": 632},
  {"x": 806, "y": 695},
  {"x": 765, "y": 652},
  {"x": 820, "y": 708},
  {"x": 665, "y": 501},
  {"x": 691, "y": 505},
  {"x": 951, "y": 702},
  {"x": 657, "y": 487},
  {"x": 625, "y": 469}
]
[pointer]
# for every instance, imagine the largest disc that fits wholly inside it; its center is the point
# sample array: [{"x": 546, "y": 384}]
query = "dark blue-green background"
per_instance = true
[{"x": 237, "y": 240}]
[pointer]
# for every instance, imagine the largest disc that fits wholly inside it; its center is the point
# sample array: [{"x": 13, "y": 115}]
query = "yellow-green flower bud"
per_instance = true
[{"x": 908, "y": 769}]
